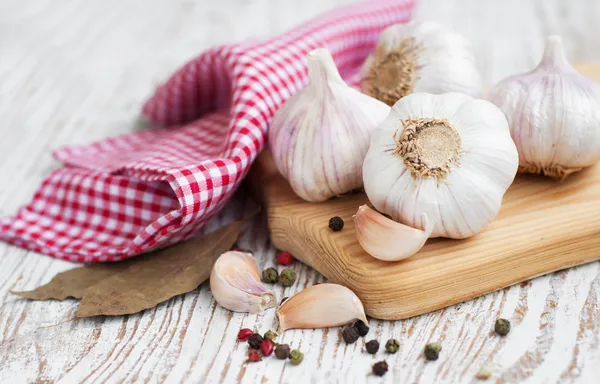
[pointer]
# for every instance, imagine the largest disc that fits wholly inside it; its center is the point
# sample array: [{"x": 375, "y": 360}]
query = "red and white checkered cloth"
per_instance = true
[{"x": 131, "y": 194}]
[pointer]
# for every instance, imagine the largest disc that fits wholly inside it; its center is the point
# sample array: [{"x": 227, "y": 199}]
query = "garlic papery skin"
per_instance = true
[
  {"x": 320, "y": 306},
  {"x": 236, "y": 285},
  {"x": 448, "y": 156},
  {"x": 387, "y": 240},
  {"x": 320, "y": 136},
  {"x": 553, "y": 113},
  {"x": 420, "y": 56}
]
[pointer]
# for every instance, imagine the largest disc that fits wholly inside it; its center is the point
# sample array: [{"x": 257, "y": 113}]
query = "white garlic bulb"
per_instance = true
[
  {"x": 236, "y": 285},
  {"x": 420, "y": 56},
  {"x": 553, "y": 113},
  {"x": 447, "y": 156},
  {"x": 320, "y": 136}
]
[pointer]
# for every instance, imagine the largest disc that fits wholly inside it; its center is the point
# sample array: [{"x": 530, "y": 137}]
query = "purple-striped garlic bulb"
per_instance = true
[
  {"x": 553, "y": 113},
  {"x": 320, "y": 136}
]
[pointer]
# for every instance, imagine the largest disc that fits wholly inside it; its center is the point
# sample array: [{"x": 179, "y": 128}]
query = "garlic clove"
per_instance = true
[
  {"x": 320, "y": 306},
  {"x": 553, "y": 113},
  {"x": 235, "y": 284},
  {"x": 387, "y": 240},
  {"x": 320, "y": 136},
  {"x": 420, "y": 56}
]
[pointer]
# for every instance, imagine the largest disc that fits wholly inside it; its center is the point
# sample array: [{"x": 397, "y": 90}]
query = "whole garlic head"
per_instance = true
[
  {"x": 420, "y": 56},
  {"x": 553, "y": 113},
  {"x": 320, "y": 136},
  {"x": 447, "y": 156}
]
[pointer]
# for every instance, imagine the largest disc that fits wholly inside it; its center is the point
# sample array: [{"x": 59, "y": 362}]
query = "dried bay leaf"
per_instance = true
[
  {"x": 158, "y": 276},
  {"x": 74, "y": 282}
]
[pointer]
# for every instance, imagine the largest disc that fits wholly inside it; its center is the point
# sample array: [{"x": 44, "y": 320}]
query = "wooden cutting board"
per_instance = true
[{"x": 543, "y": 226}]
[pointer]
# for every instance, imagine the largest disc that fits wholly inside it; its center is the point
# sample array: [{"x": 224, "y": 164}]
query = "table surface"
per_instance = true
[{"x": 76, "y": 71}]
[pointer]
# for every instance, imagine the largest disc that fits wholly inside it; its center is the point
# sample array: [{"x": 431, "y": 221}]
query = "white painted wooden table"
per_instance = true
[{"x": 76, "y": 71}]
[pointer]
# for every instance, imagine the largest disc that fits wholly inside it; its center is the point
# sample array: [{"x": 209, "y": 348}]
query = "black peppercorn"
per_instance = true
[
  {"x": 336, "y": 224},
  {"x": 350, "y": 334},
  {"x": 372, "y": 346},
  {"x": 270, "y": 276},
  {"x": 392, "y": 346},
  {"x": 255, "y": 340},
  {"x": 432, "y": 351},
  {"x": 282, "y": 351},
  {"x": 361, "y": 327},
  {"x": 379, "y": 369},
  {"x": 502, "y": 327}
]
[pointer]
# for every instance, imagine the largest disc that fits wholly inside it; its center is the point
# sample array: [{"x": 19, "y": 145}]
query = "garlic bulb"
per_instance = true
[
  {"x": 420, "y": 56},
  {"x": 235, "y": 284},
  {"x": 320, "y": 306},
  {"x": 448, "y": 156},
  {"x": 320, "y": 136},
  {"x": 387, "y": 240},
  {"x": 553, "y": 113}
]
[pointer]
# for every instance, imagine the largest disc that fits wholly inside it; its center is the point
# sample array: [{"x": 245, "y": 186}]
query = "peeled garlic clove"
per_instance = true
[
  {"x": 420, "y": 56},
  {"x": 235, "y": 284},
  {"x": 320, "y": 306},
  {"x": 553, "y": 113},
  {"x": 387, "y": 240},
  {"x": 320, "y": 136},
  {"x": 450, "y": 156}
]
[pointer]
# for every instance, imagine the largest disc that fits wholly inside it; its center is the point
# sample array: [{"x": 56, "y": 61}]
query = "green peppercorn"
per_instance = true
[
  {"x": 392, "y": 346},
  {"x": 288, "y": 277},
  {"x": 270, "y": 276},
  {"x": 296, "y": 357},
  {"x": 282, "y": 351},
  {"x": 432, "y": 351},
  {"x": 380, "y": 369},
  {"x": 502, "y": 327},
  {"x": 270, "y": 335},
  {"x": 372, "y": 347}
]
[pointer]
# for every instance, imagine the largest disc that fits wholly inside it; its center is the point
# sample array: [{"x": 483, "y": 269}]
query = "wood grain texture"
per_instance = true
[
  {"x": 543, "y": 226},
  {"x": 75, "y": 71}
]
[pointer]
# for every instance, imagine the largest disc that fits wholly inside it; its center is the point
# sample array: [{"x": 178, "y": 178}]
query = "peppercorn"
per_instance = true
[
  {"x": 350, "y": 334},
  {"x": 502, "y": 327},
  {"x": 282, "y": 351},
  {"x": 392, "y": 346},
  {"x": 361, "y": 327},
  {"x": 296, "y": 357},
  {"x": 244, "y": 334},
  {"x": 284, "y": 258},
  {"x": 270, "y": 335},
  {"x": 379, "y": 369},
  {"x": 270, "y": 276},
  {"x": 432, "y": 351},
  {"x": 336, "y": 224},
  {"x": 266, "y": 347},
  {"x": 254, "y": 355},
  {"x": 255, "y": 340},
  {"x": 288, "y": 277},
  {"x": 372, "y": 346}
]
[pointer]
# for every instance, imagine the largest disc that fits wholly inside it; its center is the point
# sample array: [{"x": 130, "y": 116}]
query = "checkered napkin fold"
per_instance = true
[{"x": 130, "y": 194}]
